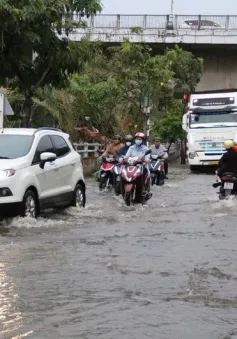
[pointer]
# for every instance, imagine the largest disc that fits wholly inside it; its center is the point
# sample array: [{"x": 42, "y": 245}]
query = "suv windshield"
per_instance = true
[{"x": 14, "y": 146}]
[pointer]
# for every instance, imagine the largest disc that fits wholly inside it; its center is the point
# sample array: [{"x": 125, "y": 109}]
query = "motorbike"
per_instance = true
[
  {"x": 133, "y": 189},
  {"x": 155, "y": 169},
  {"x": 228, "y": 185},
  {"x": 107, "y": 173}
]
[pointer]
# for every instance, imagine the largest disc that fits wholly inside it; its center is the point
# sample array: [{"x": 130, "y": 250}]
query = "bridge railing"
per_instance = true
[
  {"x": 89, "y": 150},
  {"x": 198, "y": 22}
]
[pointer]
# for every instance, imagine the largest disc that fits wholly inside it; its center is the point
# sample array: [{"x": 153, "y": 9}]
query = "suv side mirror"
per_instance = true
[{"x": 46, "y": 157}]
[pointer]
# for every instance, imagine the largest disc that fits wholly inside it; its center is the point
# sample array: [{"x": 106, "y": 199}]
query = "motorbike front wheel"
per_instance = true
[
  {"x": 128, "y": 198},
  {"x": 103, "y": 183},
  {"x": 117, "y": 188}
]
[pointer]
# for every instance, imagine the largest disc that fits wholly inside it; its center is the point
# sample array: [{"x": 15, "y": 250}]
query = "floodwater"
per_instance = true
[{"x": 167, "y": 270}]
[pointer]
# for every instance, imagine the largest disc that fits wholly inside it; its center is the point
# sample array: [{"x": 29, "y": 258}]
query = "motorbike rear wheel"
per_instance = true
[{"x": 228, "y": 193}]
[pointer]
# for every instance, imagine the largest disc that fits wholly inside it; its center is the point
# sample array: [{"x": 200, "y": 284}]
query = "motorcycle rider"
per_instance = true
[
  {"x": 128, "y": 142},
  {"x": 158, "y": 149},
  {"x": 228, "y": 161},
  {"x": 138, "y": 150},
  {"x": 114, "y": 147}
]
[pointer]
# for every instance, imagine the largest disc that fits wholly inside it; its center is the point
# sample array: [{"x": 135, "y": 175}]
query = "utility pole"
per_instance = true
[
  {"x": 172, "y": 9},
  {"x": 147, "y": 111},
  {"x": 170, "y": 23},
  {"x": 5, "y": 107}
]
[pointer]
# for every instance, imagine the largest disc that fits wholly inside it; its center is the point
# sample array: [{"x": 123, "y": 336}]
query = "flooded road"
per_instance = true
[{"x": 167, "y": 270}]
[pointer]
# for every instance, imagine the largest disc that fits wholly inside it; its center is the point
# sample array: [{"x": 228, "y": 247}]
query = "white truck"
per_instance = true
[{"x": 211, "y": 118}]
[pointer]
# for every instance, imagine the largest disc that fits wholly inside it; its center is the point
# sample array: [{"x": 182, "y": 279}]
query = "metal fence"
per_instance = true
[
  {"x": 195, "y": 22},
  {"x": 89, "y": 150}
]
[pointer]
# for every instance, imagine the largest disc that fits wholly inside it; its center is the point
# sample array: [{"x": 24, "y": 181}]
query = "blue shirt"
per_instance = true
[{"x": 137, "y": 151}]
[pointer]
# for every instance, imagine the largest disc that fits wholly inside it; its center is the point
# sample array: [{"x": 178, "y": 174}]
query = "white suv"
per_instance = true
[{"x": 39, "y": 169}]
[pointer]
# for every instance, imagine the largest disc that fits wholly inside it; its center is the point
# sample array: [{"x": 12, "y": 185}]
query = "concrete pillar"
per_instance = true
[{"x": 220, "y": 70}]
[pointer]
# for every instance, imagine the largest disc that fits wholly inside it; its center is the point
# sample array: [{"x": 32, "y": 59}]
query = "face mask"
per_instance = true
[
  {"x": 138, "y": 142},
  {"x": 128, "y": 143}
]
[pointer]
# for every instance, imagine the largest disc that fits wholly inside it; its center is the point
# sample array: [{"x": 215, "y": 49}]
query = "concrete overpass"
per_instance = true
[{"x": 212, "y": 37}]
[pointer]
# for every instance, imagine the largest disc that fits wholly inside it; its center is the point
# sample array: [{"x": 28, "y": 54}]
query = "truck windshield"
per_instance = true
[
  {"x": 213, "y": 119},
  {"x": 14, "y": 146}
]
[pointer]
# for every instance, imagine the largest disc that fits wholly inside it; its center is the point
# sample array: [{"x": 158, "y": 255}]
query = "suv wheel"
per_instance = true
[
  {"x": 79, "y": 197},
  {"x": 29, "y": 206}
]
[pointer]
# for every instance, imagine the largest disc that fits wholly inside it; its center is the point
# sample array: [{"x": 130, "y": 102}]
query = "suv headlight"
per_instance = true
[{"x": 7, "y": 173}]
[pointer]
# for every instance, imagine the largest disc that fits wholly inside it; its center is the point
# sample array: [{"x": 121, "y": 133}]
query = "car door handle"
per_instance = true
[
  {"x": 73, "y": 163},
  {"x": 56, "y": 169}
]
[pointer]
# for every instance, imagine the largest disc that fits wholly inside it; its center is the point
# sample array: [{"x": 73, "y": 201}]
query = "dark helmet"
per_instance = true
[
  {"x": 128, "y": 138},
  {"x": 116, "y": 137}
]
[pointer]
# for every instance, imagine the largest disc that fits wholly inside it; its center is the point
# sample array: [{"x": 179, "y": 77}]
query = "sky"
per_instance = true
[{"x": 195, "y": 7}]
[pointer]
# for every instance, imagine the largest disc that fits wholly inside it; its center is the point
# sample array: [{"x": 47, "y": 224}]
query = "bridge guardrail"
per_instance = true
[{"x": 200, "y": 22}]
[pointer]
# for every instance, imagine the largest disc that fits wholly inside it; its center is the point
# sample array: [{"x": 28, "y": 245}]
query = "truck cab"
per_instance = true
[{"x": 211, "y": 118}]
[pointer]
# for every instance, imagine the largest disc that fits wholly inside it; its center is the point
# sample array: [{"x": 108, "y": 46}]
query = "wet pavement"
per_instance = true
[{"x": 167, "y": 270}]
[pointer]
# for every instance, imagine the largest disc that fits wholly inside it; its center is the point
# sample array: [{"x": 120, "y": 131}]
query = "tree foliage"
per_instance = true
[
  {"x": 169, "y": 127},
  {"x": 35, "y": 50},
  {"x": 66, "y": 82}
]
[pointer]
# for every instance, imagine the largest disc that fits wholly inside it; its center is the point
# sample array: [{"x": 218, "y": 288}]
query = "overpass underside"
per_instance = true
[{"x": 220, "y": 63}]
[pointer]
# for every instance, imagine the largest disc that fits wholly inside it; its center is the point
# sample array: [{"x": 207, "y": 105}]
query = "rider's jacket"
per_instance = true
[
  {"x": 160, "y": 151},
  {"x": 137, "y": 151},
  {"x": 228, "y": 163},
  {"x": 112, "y": 149},
  {"x": 123, "y": 150}
]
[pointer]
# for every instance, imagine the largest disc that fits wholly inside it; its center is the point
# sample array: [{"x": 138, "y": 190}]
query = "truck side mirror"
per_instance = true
[{"x": 185, "y": 122}]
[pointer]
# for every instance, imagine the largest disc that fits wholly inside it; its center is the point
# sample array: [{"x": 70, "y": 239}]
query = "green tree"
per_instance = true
[
  {"x": 169, "y": 128},
  {"x": 35, "y": 49},
  {"x": 110, "y": 86},
  {"x": 139, "y": 74},
  {"x": 187, "y": 70}
]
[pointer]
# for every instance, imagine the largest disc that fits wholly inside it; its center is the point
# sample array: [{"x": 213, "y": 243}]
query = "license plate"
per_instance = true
[
  {"x": 213, "y": 163},
  {"x": 228, "y": 185}
]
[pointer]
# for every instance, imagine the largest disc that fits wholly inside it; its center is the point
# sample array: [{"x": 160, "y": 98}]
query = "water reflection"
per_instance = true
[{"x": 10, "y": 317}]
